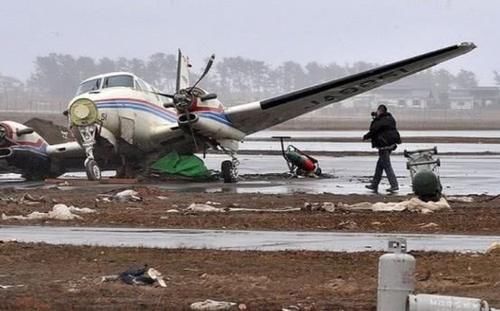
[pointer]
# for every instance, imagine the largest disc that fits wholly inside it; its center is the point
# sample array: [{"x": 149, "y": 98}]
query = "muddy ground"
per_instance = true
[
  {"x": 69, "y": 278},
  {"x": 482, "y": 216}
]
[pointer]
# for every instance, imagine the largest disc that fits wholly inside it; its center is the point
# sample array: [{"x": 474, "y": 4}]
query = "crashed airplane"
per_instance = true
[{"x": 121, "y": 122}]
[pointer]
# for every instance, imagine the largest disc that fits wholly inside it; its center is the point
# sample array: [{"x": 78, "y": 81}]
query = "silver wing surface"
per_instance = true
[{"x": 252, "y": 117}]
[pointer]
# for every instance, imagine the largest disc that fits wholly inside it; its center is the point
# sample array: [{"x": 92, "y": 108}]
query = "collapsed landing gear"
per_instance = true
[
  {"x": 87, "y": 134},
  {"x": 229, "y": 168},
  {"x": 92, "y": 169}
]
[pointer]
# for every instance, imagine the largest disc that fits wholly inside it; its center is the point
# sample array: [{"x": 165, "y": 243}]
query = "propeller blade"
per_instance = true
[
  {"x": 207, "y": 68},
  {"x": 182, "y": 81},
  {"x": 209, "y": 65}
]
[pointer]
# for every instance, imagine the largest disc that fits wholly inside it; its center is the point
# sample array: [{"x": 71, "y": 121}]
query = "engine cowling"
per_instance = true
[{"x": 24, "y": 149}]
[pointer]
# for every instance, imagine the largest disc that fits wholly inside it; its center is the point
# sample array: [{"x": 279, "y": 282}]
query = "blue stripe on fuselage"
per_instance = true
[{"x": 159, "y": 112}]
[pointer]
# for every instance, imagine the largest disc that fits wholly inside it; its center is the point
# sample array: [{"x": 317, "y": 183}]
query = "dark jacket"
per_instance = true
[{"x": 383, "y": 132}]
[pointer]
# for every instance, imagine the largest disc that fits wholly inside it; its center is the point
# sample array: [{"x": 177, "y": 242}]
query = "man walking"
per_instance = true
[{"x": 385, "y": 137}]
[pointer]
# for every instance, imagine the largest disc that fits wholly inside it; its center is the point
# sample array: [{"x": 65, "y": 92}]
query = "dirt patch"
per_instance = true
[
  {"x": 63, "y": 278},
  {"x": 481, "y": 216}
]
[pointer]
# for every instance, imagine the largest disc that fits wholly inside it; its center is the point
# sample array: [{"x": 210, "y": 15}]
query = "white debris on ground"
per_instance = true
[
  {"x": 8, "y": 241},
  {"x": 412, "y": 205},
  {"x": 265, "y": 210},
  {"x": 124, "y": 196},
  {"x": 431, "y": 225},
  {"x": 461, "y": 199},
  {"x": 325, "y": 206},
  {"x": 213, "y": 203},
  {"x": 493, "y": 248},
  {"x": 25, "y": 199},
  {"x": 58, "y": 212},
  {"x": 127, "y": 196},
  {"x": 207, "y": 208},
  {"x": 28, "y": 199},
  {"x": 143, "y": 276},
  {"x": 204, "y": 208},
  {"x": 212, "y": 305},
  {"x": 10, "y": 286},
  {"x": 157, "y": 276},
  {"x": 348, "y": 224}
]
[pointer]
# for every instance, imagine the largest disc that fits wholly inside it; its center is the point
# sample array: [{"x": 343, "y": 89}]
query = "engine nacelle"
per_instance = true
[
  {"x": 187, "y": 119},
  {"x": 24, "y": 149}
]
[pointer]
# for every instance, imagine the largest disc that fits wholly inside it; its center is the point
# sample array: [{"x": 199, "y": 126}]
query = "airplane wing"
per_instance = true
[
  {"x": 66, "y": 150},
  {"x": 256, "y": 116}
]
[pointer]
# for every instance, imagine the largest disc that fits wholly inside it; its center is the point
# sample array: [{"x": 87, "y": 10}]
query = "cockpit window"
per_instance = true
[
  {"x": 142, "y": 85},
  {"x": 122, "y": 80},
  {"x": 88, "y": 86}
]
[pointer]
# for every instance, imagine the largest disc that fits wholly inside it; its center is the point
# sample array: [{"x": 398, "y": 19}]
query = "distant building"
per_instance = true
[
  {"x": 461, "y": 99},
  {"x": 415, "y": 98},
  {"x": 477, "y": 97}
]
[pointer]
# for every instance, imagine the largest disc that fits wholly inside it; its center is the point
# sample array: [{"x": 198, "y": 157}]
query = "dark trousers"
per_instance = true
[{"x": 384, "y": 164}]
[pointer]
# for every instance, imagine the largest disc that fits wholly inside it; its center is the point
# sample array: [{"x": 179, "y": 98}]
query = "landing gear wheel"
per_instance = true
[
  {"x": 228, "y": 172},
  {"x": 92, "y": 169}
]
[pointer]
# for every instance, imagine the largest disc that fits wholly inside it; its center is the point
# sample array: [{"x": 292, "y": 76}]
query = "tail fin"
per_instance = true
[{"x": 183, "y": 66}]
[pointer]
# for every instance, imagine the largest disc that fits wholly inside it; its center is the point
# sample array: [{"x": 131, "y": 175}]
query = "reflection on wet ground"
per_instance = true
[
  {"x": 264, "y": 174},
  {"x": 359, "y": 134},
  {"x": 346, "y": 147},
  {"x": 242, "y": 240}
]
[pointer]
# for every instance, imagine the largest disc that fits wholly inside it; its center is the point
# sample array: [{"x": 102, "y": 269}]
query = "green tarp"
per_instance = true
[{"x": 181, "y": 165}]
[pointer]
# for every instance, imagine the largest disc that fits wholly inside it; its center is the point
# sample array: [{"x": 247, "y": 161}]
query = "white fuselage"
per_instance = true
[{"x": 136, "y": 116}]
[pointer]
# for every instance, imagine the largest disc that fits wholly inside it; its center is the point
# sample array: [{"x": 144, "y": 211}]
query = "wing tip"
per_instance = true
[{"x": 468, "y": 45}]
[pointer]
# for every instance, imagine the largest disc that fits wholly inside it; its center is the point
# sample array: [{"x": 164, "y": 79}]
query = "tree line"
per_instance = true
[{"x": 235, "y": 79}]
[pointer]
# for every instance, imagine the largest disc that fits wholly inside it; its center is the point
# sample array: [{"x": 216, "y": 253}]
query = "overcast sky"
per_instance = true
[{"x": 379, "y": 31}]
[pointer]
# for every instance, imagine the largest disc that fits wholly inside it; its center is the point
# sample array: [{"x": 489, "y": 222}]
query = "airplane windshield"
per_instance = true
[
  {"x": 88, "y": 86},
  {"x": 121, "y": 80}
]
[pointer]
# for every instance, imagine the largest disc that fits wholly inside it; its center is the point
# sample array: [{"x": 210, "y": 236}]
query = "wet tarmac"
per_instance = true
[
  {"x": 359, "y": 134},
  {"x": 460, "y": 175},
  {"x": 365, "y": 147},
  {"x": 242, "y": 240}
]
